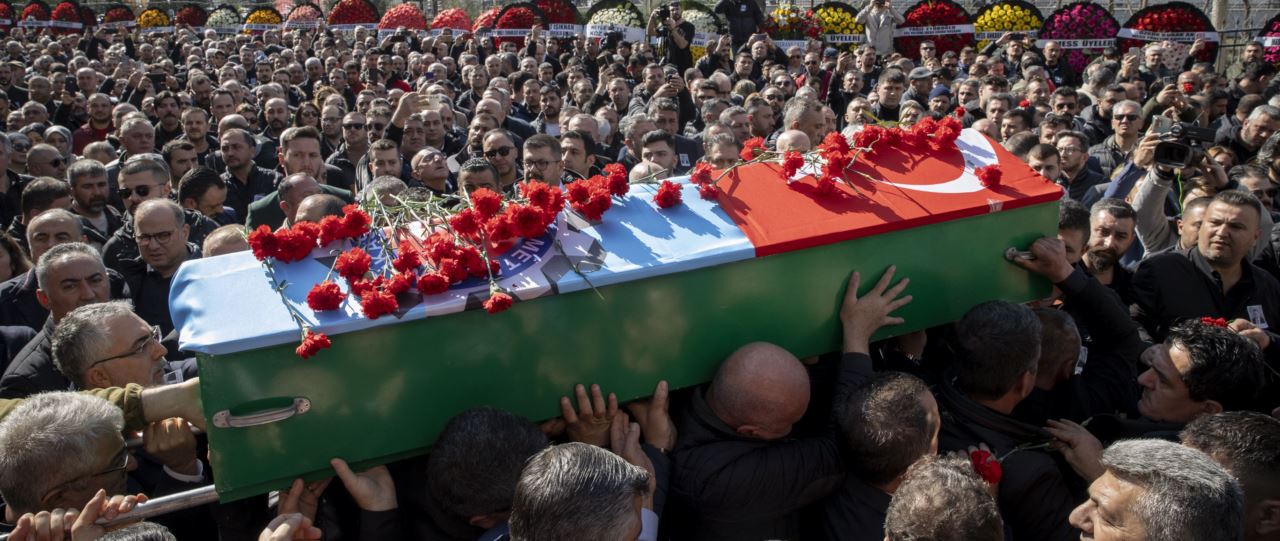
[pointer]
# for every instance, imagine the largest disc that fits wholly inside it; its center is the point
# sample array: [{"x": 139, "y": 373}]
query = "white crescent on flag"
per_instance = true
[{"x": 977, "y": 152}]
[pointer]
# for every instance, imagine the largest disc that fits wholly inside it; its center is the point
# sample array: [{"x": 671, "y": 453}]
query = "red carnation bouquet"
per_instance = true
[
  {"x": 518, "y": 16},
  {"x": 558, "y": 11},
  {"x": 1271, "y": 47},
  {"x": 191, "y": 15},
  {"x": 117, "y": 14},
  {"x": 36, "y": 11},
  {"x": 934, "y": 13},
  {"x": 486, "y": 19},
  {"x": 304, "y": 15},
  {"x": 1184, "y": 21},
  {"x": 353, "y": 12},
  {"x": 403, "y": 16},
  {"x": 6, "y": 14},
  {"x": 454, "y": 18},
  {"x": 66, "y": 12}
]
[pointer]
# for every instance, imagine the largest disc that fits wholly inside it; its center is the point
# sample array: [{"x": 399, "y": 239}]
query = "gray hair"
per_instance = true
[
  {"x": 85, "y": 168},
  {"x": 49, "y": 440},
  {"x": 796, "y": 107},
  {"x": 575, "y": 491},
  {"x": 1186, "y": 495},
  {"x": 942, "y": 499},
  {"x": 1264, "y": 110},
  {"x": 179, "y": 216},
  {"x": 1126, "y": 103},
  {"x": 628, "y": 124},
  {"x": 82, "y": 336},
  {"x": 147, "y": 163},
  {"x": 60, "y": 253}
]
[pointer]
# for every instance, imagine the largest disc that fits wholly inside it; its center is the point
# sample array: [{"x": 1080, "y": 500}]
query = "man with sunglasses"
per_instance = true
[
  {"x": 144, "y": 178},
  {"x": 355, "y": 136},
  {"x": 500, "y": 150},
  {"x": 1117, "y": 149},
  {"x": 45, "y": 161}
]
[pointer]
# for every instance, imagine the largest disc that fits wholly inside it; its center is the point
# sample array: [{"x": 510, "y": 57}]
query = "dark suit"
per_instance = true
[{"x": 266, "y": 211}]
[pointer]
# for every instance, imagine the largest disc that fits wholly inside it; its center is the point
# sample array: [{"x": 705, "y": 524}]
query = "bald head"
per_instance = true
[
  {"x": 793, "y": 140},
  {"x": 761, "y": 390}
]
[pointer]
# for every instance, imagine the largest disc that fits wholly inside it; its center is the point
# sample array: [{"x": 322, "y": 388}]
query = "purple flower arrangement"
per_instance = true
[{"x": 1080, "y": 21}]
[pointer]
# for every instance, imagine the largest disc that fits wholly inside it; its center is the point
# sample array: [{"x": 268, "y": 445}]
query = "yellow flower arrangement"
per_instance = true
[
  {"x": 1007, "y": 17},
  {"x": 153, "y": 18}
]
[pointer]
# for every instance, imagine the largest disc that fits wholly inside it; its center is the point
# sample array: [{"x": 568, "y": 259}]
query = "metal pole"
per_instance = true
[{"x": 160, "y": 506}]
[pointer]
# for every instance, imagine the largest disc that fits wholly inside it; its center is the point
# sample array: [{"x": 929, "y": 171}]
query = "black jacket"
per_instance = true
[
  {"x": 115, "y": 220},
  {"x": 854, "y": 512},
  {"x": 121, "y": 252},
  {"x": 32, "y": 370},
  {"x": 727, "y": 486},
  {"x": 240, "y": 195},
  {"x": 12, "y": 340},
  {"x": 19, "y": 306},
  {"x": 1171, "y": 288},
  {"x": 1035, "y": 496},
  {"x": 1111, "y": 343}
]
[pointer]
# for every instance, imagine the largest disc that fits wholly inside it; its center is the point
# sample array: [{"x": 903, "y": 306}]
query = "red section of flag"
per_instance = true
[{"x": 780, "y": 217}]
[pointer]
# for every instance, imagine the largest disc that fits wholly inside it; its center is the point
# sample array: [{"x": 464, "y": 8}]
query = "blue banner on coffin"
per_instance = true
[{"x": 635, "y": 240}]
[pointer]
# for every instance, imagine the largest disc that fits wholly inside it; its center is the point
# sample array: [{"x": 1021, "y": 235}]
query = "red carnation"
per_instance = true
[
  {"x": 355, "y": 221},
  {"x": 1024, "y": 104},
  {"x": 452, "y": 269},
  {"x": 263, "y": 242},
  {"x": 752, "y": 148},
  {"x": 466, "y": 223},
  {"x": 473, "y": 262},
  {"x": 868, "y": 137},
  {"x": 708, "y": 192},
  {"x": 1214, "y": 321},
  {"x": 669, "y": 195},
  {"x": 408, "y": 260},
  {"x": 960, "y": 111},
  {"x": 325, "y": 296},
  {"x": 312, "y": 343},
  {"x": 580, "y": 192},
  {"x": 1188, "y": 88},
  {"x": 331, "y": 229},
  {"x": 499, "y": 228},
  {"x": 353, "y": 264},
  {"x": 792, "y": 161},
  {"x": 987, "y": 467},
  {"x": 538, "y": 193},
  {"x": 827, "y": 187},
  {"x": 296, "y": 243},
  {"x": 618, "y": 183},
  {"x": 432, "y": 283},
  {"x": 440, "y": 247},
  {"x": 989, "y": 176},
  {"x": 498, "y": 302},
  {"x": 834, "y": 143},
  {"x": 486, "y": 202},
  {"x": 378, "y": 302},
  {"x": 701, "y": 173},
  {"x": 527, "y": 221},
  {"x": 401, "y": 282}
]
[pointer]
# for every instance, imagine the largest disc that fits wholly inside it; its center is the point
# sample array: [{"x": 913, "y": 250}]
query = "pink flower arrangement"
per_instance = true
[
  {"x": 1082, "y": 21},
  {"x": 1271, "y": 30}
]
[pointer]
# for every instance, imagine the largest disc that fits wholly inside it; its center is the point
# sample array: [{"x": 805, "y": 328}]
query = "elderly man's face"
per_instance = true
[
  {"x": 47, "y": 233},
  {"x": 1108, "y": 514},
  {"x": 431, "y": 166},
  {"x": 109, "y": 472},
  {"x": 140, "y": 139},
  {"x": 161, "y": 238},
  {"x": 138, "y": 354},
  {"x": 75, "y": 281},
  {"x": 46, "y": 164},
  {"x": 1257, "y": 130}
]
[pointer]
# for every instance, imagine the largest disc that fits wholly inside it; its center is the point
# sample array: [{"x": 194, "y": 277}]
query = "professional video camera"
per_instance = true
[
  {"x": 1181, "y": 144},
  {"x": 663, "y": 12}
]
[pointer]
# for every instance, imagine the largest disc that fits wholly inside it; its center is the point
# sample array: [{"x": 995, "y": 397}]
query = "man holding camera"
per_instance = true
[
  {"x": 744, "y": 18},
  {"x": 674, "y": 33},
  {"x": 879, "y": 20}
]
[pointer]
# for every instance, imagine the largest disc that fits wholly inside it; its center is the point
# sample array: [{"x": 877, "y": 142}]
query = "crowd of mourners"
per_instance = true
[{"x": 1136, "y": 402}]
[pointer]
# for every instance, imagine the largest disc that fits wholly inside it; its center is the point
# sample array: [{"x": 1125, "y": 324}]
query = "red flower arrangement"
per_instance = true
[
  {"x": 117, "y": 14},
  {"x": 325, "y": 296},
  {"x": 194, "y": 16},
  {"x": 558, "y": 11},
  {"x": 701, "y": 176},
  {"x": 454, "y": 18},
  {"x": 1179, "y": 17},
  {"x": 312, "y": 343},
  {"x": 669, "y": 195},
  {"x": 987, "y": 466},
  {"x": 6, "y": 13},
  {"x": 934, "y": 13},
  {"x": 752, "y": 148},
  {"x": 1214, "y": 321},
  {"x": 486, "y": 19},
  {"x": 517, "y": 16},
  {"x": 1271, "y": 54},
  {"x": 36, "y": 11},
  {"x": 353, "y": 12},
  {"x": 403, "y": 15},
  {"x": 66, "y": 12},
  {"x": 591, "y": 197},
  {"x": 1080, "y": 21}
]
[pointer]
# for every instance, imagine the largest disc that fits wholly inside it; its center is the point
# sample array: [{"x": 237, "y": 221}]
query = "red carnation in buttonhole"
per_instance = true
[
  {"x": 352, "y": 264},
  {"x": 378, "y": 302},
  {"x": 989, "y": 175},
  {"x": 669, "y": 195},
  {"x": 263, "y": 242},
  {"x": 486, "y": 202},
  {"x": 312, "y": 343},
  {"x": 751, "y": 148},
  {"x": 987, "y": 467},
  {"x": 432, "y": 283},
  {"x": 498, "y": 302},
  {"x": 792, "y": 161},
  {"x": 324, "y": 296}
]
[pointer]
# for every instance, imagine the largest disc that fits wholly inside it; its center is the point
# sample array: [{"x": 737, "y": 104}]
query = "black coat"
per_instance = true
[
  {"x": 1036, "y": 494},
  {"x": 1171, "y": 288},
  {"x": 32, "y": 370},
  {"x": 854, "y": 512},
  {"x": 12, "y": 340},
  {"x": 19, "y": 306},
  {"x": 121, "y": 252},
  {"x": 728, "y": 486}
]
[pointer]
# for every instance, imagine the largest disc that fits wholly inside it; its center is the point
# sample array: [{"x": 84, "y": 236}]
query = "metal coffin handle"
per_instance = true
[{"x": 225, "y": 419}]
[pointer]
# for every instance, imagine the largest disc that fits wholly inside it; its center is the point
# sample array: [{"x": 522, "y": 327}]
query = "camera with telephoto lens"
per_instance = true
[
  {"x": 663, "y": 13},
  {"x": 1181, "y": 144}
]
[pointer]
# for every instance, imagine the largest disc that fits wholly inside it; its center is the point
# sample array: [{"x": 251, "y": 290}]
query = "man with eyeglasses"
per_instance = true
[
  {"x": 45, "y": 161},
  {"x": 144, "y": 178},
  {"x": 1077, "y": 179},
  {"x": 1117, "y": 149},
  {"x": 500, "y": 150},
  {"x": 161, "y": 234},
  {"x": 355, "y": 135},
  {"x": 543, "y": 160},
  {"x": 330, "y": 130},
  {"x": 429, "y": 169}
]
